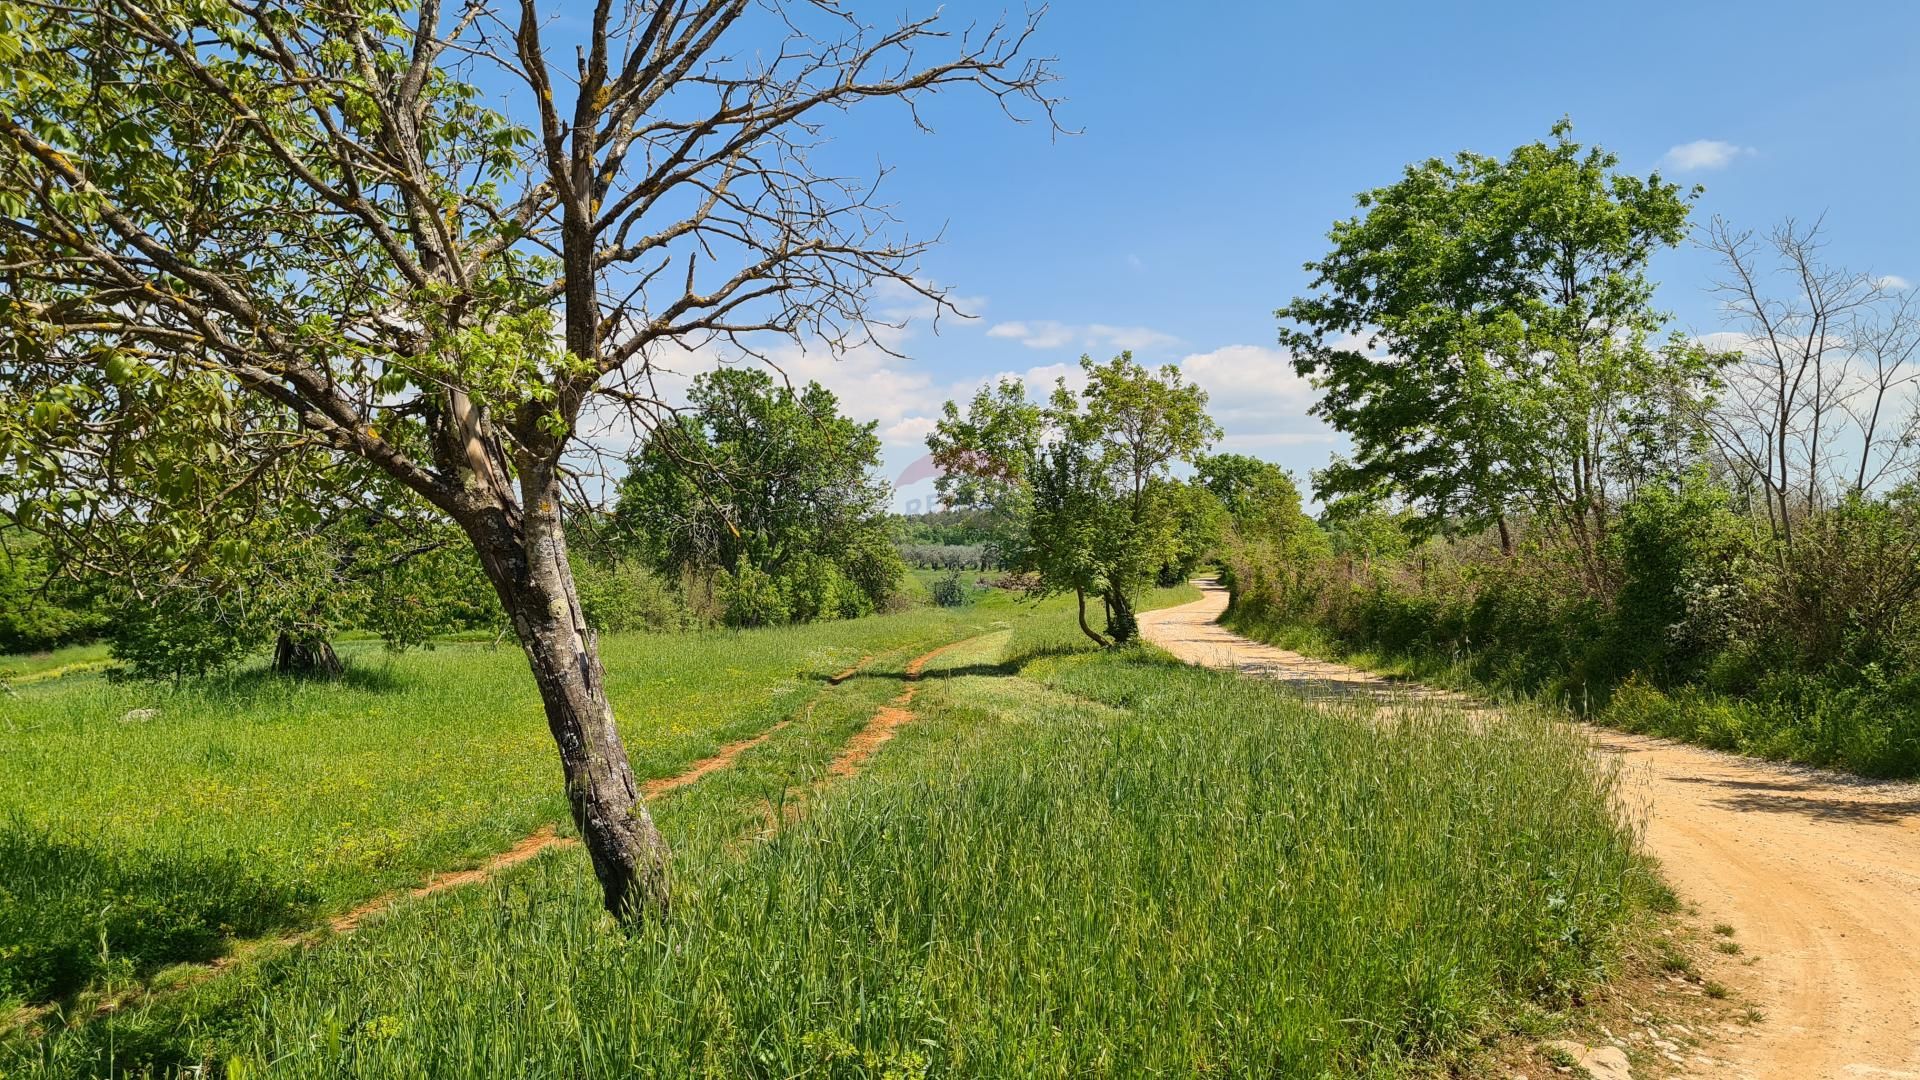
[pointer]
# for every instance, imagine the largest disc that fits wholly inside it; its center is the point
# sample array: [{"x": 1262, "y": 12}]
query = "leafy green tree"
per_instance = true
[
  {"x": 762, "y": 476},
  {"x": 39, "y": 607},
  {"x": 1087, "y": 477},
  {"x": 262, "y": 243},
  {"x": 1199, "y": 525},
  {"x": 1483, "y": 331},
  {"x": 274, "y": 583},
  {"x": 1260, "y": 497}
]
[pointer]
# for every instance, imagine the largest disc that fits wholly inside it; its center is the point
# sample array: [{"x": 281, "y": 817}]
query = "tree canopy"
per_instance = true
[
  {"x": 1087, "y": 478},
  {"x": 759, "y": 479},
  {"x": 1484, "y": 332}
]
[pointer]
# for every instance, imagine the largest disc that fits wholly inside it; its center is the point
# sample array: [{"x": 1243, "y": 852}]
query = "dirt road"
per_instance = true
[{"x": 1818, "y": 874}]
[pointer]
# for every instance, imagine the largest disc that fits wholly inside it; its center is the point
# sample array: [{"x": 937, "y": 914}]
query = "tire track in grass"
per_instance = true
[
  {"x": 546, "y": 838},
  {"x": 542, "y": 840},
  {"x": 865, "y": 743}
]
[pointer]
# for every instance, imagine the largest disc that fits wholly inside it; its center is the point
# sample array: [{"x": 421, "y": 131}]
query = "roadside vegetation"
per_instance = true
[
  {"x": 1183, "y": 870},
  {"x": 1721, "y": 546}
]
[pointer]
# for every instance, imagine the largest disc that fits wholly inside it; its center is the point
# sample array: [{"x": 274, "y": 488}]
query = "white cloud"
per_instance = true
[
  {"x": 1257, "y": 397},
  {"x": 1048, "y": 334},
  {"x": 1704, "y": 154},
  {"x": 1892, "y": 283},
  {"x": 908, "y": 431},
  {"x": 1045, "y": 334}
]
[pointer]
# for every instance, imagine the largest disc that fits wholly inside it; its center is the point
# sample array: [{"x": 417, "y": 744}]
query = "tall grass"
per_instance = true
[
  {"x": 1070, "y": 865},
  {"x": 142, "y": 824}
]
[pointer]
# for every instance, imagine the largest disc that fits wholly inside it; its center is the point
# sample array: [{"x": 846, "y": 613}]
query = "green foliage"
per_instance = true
[
  {"x": 1703, "y": 626},
  {"x": 185, "y": 632},
  {"x": 1085, "y": 481},
  {"x": 1259, "y": 496},
  {"x": 750, "y": 596},
  {"x": 946, "y": 556},
  {"x": 405, "y": 579},
  {"x": 771, "y": 489},
  {"x": 949, "y": 591},
  {"x": 39, "y": 608},
  {"x": 944, "y": 528},
  {"x": 623, "y": 596},
  {"x": 1482, "y": 332}
]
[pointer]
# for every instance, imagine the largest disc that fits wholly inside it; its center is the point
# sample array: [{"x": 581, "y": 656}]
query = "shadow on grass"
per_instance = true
[
  {"x": 70, "y": 913},
  {"x": 256, "y": 685},
  {"x": 1012, "y": 665}
]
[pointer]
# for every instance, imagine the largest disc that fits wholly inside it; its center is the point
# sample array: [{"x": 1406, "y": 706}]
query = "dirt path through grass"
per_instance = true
[{"x": 1818, "y": 874}]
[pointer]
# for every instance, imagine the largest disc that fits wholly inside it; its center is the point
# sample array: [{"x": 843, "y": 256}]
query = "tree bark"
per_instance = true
[
  {"x": 528, "y": 567},
  {"x": 1081, "y": 596},
  {"x": 309, "y": 656},
  {"x": 1122, "y": 627}
]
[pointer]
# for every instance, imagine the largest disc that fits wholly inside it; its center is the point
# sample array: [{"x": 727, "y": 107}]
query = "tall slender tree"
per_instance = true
[{"x": 242, "y": 235}]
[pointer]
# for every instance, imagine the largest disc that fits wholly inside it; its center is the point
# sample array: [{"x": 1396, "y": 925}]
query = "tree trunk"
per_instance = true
[
  {"x": 1506, "y": 538},
  {"x": 529, "y": 570},
  {"x": 1081, "y": 596},
  {"x": 306, "y": 656},
  {"x": 1121, "y": 625}
]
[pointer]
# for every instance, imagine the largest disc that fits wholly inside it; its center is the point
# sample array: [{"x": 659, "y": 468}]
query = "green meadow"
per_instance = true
[{"x": 1071, "y": 863}]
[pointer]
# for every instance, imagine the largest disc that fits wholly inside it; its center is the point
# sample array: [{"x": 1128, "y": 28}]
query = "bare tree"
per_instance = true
[
  {"x": 1885, "y": 344},
  {"x": 1788, "y": 392},
  {"x": 309, "y": 205}
]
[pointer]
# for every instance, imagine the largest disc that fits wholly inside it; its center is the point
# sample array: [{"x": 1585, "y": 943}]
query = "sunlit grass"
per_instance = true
[
  {"x": 142, "y": 824},
  {"x": 1070, "y": 864}
]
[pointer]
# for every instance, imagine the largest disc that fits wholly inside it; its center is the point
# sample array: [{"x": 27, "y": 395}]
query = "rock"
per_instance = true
[
  {"x": 1607, "y": 1063},
  {"x": 135, "y": 716},
  {"x": 1600, "y": 1062}
]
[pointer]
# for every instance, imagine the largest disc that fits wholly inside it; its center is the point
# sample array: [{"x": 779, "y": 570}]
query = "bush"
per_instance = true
[
  {"x": 949, "y": 591},
  {"x": 749, "y": 596},
  {"x": 183, "y": 632},
  {"x": 1696, "y": 622},
  {"x": 623, "y": 596},
  {"x": 816, "y": 589}
]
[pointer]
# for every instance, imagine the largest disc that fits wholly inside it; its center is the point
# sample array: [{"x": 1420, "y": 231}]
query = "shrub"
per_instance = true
[
  {"x": 949, "y": 591},
  {"x": 816, "y": 589},
  {"x": 623, "y": 596},
  {"x": 182, "y": 632},
  {"x": 749, "y": 596}
]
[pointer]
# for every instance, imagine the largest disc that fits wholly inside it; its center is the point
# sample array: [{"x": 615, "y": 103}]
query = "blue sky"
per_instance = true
[{"x": 1219, "y": 141}]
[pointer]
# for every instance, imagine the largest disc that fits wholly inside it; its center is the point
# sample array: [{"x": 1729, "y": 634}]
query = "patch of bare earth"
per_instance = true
[{"x": 1815, "y": 875}]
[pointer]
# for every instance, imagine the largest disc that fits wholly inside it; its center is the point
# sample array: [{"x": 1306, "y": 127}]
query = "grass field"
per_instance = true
[
  {"x": 1069, "y": 864},
  {"x": 143, "y": 824}
]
